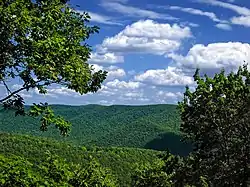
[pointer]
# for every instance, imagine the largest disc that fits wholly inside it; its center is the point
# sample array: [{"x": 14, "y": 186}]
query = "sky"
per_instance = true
[{"x": 151, "y": 48}]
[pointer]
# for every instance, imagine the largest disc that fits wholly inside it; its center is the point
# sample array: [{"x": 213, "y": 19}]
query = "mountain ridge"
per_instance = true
[{"x": 139, "y": 126}]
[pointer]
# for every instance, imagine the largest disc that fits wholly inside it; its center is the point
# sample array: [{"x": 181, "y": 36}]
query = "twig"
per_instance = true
[
  {"x": 6, "y": 86},
  {"x": 15, "y": 92}
]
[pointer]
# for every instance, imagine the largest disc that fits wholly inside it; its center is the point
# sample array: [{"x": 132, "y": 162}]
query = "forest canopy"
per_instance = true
[{"x": 43, "y": 42}]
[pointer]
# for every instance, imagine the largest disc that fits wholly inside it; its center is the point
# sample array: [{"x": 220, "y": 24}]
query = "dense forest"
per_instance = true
[
  {"x": 204, "y": 141},
  {"x": 121, "y": 162},
  {"x": 153, "y": 127}
]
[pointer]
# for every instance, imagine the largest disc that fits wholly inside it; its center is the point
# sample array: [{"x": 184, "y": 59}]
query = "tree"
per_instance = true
[
  {"x": 53, "y": 171},
  {"x": 158, "y": 174},
  {"x": 216, "y": 119},
  {"x": 42, "y": 42}
]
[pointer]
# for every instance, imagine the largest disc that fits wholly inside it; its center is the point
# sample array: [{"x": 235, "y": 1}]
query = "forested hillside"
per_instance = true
[
  {"x": 121, "y": 162},
  {"x": 47, "y": 47},
  {"x": 153, "y": 126}
]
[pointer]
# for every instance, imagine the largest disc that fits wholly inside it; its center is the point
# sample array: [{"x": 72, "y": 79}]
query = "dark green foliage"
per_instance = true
[
  {"x": 153, "y": 127},
  {"x": 151, "y": 177},
  {"x": 43, "y": 43},
  {"x": 53, "y": 171},
  {"x": 16, "y": 171},
  {"x": 216, "y": 119},
  {"x": 158, "y": 174},
  {"x": 121, "y": 162},
  {"x": 170, "y": 171}
]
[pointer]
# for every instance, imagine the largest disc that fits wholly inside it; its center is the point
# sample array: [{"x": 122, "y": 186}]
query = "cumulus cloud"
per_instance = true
[
  {"x": 116, "y": 73},
  {"x": 134, "y": 11},
  {"x": 210, "y": 59},
  {"x": 171, "y": 76},
  {"x": 214, "y": 56},
  {"x": 124, "y": 91},
  {"x": 117, "y": 84},
  {"x": 113, "y": 71},
  {"x": 62, "y": 91},
  {"x": 165, "y": 96},
  {"x": 146, "y": 36},
  {"x": 151, "y": 29},
  {"x": 106, "y": 58},
  {"x": 169, "y": 94},
  {"x": 112, "y": 92},
  {"x": 35, "y": 92}
]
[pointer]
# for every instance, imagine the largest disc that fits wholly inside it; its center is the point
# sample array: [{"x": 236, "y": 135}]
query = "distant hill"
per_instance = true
[{"x": 151, "y": 126}]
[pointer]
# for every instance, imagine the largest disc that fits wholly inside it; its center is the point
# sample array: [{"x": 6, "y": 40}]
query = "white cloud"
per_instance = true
[
  {"x": 241, "y": 20},
  {"x": 107, "y": 92},
  {"x": 238, "y": 9},
  {"x": 16, "y": 86},
  {"x": 52, "y": 92},
  {"x": 61, "y": 91},
  {"x": 135, "y": 12},
  {"x": 116, "y": 73},
  {"x": 244, "y": 19},
  {"x": 117, "y": 84},
  {"x": 223, "y": 26},
  {"x": 134, "y": 94},
  {"x": 192, "y": 24},
  {"x": 165, "y": 77},
  {"x": 214, "y": 56},
  {"x": 96, "y": 67},
  {"x": 122, "y": 91},
  {"x": 25, "y": 95},
  {"x": 166, "y": 95},
  {"x": 112, "y": 92},
  {"x": 106, "y": 58},
  {"x": 120, "y": 1},
  {"x": 113, "y": 71},
  {"x": 22, "y": 93},
  {"x": 146, "y": 36},
  {"x": 210, "y": 15},
  {"x": 151, "y": 29},
  {"x": 102, "y": 19},
  {"x": 105, "y": 102}
]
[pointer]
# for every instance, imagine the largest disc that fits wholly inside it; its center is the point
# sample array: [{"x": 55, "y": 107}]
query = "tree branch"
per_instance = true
[
  {"x": 13, "y": 93},
  {"x": 6, "y": 86},
  {"x": 26, "y": 87},
  {"x": 17, "y": 91}
]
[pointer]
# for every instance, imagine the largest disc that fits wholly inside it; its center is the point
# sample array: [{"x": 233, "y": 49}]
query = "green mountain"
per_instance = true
[
  {"x": 121, "y": 162},
  {"x": 151, "y": 126}
]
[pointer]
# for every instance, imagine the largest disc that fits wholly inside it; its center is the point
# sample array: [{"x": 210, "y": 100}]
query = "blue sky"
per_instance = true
[{"x": 151, "y": 48}]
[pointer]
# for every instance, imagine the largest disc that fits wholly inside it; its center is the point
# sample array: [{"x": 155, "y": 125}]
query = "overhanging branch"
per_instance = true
[
  {"x": 6, "y": 86},
  {"x": 17, "y": 91},
  {"x": 11, "y": 94}
]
